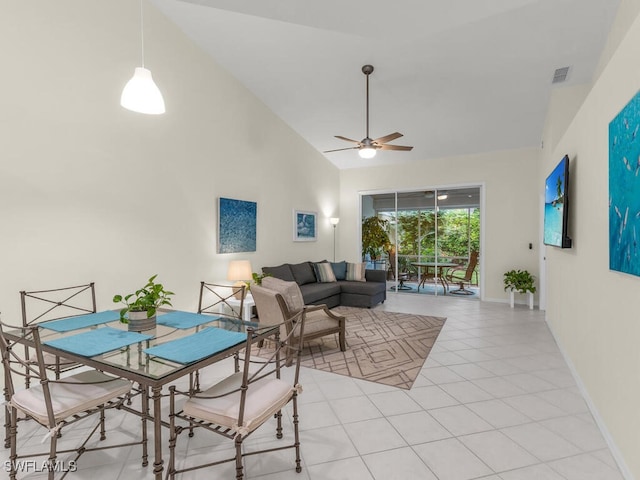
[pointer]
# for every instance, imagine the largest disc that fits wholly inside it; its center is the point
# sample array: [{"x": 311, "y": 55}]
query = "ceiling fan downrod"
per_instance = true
[{"x": 367, "y": 70}]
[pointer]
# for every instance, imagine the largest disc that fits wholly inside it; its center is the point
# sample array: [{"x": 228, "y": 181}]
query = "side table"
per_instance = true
[{"x": 247, "y": 307}]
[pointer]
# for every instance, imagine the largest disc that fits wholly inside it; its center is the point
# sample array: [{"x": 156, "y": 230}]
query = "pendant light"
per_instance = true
[{"x": 141, "y": 94}]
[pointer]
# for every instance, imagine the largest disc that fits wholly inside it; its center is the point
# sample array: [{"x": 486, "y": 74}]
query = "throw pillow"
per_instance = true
[
  {"x": 324, "y": 272},
  {"x": 303, "y": 273},
  {"x": 355, "y": 272},
  {"x": 340, "y": 270},
  {"x": 290, "y": 291}
]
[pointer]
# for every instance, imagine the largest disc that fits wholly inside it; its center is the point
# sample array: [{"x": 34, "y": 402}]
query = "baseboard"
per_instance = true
[{"x": 615, "y": 452}]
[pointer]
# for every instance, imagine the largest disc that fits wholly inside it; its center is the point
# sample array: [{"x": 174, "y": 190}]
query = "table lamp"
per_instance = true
[{"x": 240, "y": 272}]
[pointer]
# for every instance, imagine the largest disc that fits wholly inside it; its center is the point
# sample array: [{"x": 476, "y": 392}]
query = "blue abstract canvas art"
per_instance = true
[
  {"x": 236, "y": 226},
  {"x": 624, "y": 189}
]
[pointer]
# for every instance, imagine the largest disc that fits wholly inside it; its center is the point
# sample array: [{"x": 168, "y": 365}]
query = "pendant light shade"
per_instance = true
[{"x": 141, "y": 94}]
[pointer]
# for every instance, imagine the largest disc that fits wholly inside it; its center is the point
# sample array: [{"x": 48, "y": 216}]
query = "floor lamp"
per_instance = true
[{"x": 334, "y": 221}]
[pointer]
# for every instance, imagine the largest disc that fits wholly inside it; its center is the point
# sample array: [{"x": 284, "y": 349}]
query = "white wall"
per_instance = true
[
  {"x": 510, "y": 212},
  {"x": 594, "y": 311},
  {"x": 92, "y": 192}
]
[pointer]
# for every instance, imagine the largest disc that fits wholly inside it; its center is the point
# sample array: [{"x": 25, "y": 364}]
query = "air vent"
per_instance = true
[{"x": 560, "y": 75}]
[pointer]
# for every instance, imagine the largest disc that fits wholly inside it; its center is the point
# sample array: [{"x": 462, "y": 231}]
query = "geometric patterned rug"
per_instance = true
[{"x": 383, "y": 347}]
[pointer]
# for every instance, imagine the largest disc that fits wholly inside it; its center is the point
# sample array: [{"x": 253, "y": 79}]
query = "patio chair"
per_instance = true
[
  {"x": 239, "y": 404},
  {"x": 55, "y": 404},
  {"x": 278, "y": 301},
  {"x": 463, "y": 275},
  {"x": 43, "y": 305},
  {"x": 401, "y": 277}
]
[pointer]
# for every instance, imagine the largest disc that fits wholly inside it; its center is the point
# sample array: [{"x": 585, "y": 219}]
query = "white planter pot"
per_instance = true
[{"x": 139, "y": 322}]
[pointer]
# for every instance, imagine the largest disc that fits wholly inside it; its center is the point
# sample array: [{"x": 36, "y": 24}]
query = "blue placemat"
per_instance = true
[
  {"x": 81, "y": 321},
  {"x": 197, "y": 346},
  {"x": 96, "y": 342},
  {"x": 184, "y": 319}
]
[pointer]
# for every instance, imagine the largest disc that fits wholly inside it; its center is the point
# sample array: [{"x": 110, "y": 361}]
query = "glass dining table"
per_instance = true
[{"x": 181, "y": 344}]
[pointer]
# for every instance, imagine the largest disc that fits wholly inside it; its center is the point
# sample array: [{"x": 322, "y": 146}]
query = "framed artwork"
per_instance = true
[
  {"x": 305, "y": 226},
  {"x": 237, "y": 221},
  {"x": 624, "y": 189}
]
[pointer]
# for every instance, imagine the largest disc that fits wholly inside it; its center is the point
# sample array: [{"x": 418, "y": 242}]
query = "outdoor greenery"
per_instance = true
[
  {"x": 519, "y": 280},
  {"x": 458, "y": 233},
  {"x": 149, "y": 298}
]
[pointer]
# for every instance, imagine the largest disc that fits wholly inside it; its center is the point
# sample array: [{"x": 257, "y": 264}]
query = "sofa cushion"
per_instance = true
[
  {"x": 362, "y": 288},
  {"x": 303, "y": 273},
  {"x": 355, "y": 272},
  {"x": 282, "y": 272},
  {"x": 324, "y": 272},
  {"x": 339, "y": 270},
  {"x": 290, "y": 291},
  {"x": 316, "y": 292}
]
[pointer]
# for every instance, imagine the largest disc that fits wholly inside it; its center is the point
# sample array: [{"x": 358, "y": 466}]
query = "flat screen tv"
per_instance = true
[{"x": 556, "y": 206}]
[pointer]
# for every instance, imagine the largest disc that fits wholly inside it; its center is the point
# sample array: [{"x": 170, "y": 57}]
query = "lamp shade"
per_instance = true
[
  {"x": 239, "y": 270},
  {"x": 367, "y": 152},
  {"x": 334, "y": 221},
  {"x": 141, "y": 94}
]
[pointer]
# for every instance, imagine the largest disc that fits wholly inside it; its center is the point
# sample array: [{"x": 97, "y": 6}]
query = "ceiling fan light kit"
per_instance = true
[{"x": 367, "y": 147}]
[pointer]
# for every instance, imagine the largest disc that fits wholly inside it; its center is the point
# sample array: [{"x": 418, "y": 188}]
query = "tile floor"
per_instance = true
[{"x": 494, "y": 400}]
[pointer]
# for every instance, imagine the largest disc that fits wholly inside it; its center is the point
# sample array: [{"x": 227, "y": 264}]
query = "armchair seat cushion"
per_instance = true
[
  {"x": 264, "y": 398},
  {"x": 86, "y": 390}
]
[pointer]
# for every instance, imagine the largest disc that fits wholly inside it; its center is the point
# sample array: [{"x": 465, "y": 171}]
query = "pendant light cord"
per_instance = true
[{"x": 142, "y": 32}]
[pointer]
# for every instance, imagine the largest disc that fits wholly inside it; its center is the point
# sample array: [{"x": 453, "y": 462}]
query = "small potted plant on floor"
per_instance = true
[
  {"x": 520, "y": 281},
  {"x": 140, "y": 307}
]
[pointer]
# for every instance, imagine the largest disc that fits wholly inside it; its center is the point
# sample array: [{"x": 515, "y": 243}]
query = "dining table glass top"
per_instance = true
[{"x": 179, "y": 340}]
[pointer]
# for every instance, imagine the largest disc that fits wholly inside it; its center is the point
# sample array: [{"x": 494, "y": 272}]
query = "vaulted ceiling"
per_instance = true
[{"x": 455, "y": 76}]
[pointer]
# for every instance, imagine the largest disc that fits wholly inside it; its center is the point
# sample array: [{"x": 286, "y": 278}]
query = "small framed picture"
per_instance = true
[{"x": 305, "y": 226}]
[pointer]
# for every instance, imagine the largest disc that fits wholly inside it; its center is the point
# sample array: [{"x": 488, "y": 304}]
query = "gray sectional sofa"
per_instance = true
[{"x": 341, "y": 292}]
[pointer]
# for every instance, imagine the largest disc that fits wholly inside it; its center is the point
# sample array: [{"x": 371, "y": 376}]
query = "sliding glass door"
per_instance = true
[{"x": 429, "y": 233}]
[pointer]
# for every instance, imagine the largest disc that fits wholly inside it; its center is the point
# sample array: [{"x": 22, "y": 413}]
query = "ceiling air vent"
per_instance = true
[{"x": 560, "y": 75}]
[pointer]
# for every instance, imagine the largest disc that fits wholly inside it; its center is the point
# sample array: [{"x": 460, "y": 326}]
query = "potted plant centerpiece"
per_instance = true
[{"x": 140, "y": 307}]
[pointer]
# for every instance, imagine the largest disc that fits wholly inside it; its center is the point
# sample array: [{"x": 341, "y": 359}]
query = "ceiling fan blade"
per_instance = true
[
  {"x": 395, "y": 147},
  {"x": 340, "y": 149},
  {"x": 347, "y": 139},
  {"x": 388, "y": 138}
]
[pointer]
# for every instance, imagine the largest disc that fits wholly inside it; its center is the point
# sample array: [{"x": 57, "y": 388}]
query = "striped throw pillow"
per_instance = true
[
  {"x": 324, "y": 272},
  {"x": 355, "y": 272}
]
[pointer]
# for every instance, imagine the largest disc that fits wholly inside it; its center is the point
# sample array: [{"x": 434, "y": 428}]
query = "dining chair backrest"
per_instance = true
[
  {"x": 224, "y": 300},
  {"x": 43, "y": 305}
]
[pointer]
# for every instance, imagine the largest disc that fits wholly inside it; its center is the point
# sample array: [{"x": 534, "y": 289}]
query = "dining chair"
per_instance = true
[
  {"x": 278, "y": 301},
  {"x": 55, "y": 404},
  {"x": 239, "y": 404},
  {"x": 225, "y": 301},
  {"x": 43, "y": 305}
]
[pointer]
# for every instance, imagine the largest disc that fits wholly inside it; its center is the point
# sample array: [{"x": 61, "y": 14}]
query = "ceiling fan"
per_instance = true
[{"x": 367, "y": 147}]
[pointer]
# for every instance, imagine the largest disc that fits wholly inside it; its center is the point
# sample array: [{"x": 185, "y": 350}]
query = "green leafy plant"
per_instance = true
[
  {"x": 375, "y": 238},
  {"x": 519, "y": 280},
  {"x": 149, "y": 298}
]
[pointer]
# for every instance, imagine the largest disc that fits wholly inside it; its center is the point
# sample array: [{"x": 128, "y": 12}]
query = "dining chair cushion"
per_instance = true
[
  {"x": 83, "y": 393},
  {"x": 264, "y": 398},
  {"x": 290, "y": 292}
]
